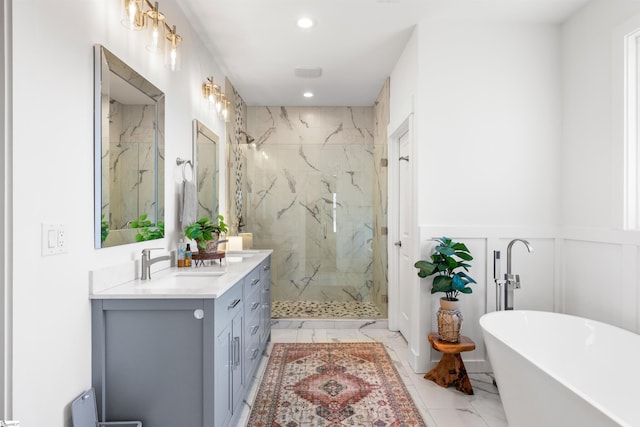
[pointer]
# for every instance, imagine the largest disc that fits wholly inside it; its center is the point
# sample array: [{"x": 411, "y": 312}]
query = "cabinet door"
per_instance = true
[
  {"x": 151, "y": 365},
  {"x": 237, "y": 353},
  {"x": 222, "y": 389}
]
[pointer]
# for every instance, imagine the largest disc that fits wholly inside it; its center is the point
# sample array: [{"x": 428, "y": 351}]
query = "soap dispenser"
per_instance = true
[
  {"x": 182, "y": 249},
  {"x": 187, "y": 256}
]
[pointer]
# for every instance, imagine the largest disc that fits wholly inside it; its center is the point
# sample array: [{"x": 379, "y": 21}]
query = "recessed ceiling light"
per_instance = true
[
  {"x": 308, "y": 94},
  {"x": 305, "y": 23}
]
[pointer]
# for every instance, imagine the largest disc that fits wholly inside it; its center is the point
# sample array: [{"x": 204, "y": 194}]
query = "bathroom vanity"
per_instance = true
[{"x": 182, "y": 348}]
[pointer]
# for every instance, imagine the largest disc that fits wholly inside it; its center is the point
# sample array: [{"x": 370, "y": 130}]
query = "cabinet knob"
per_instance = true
[{"x": 198, "y": 313}]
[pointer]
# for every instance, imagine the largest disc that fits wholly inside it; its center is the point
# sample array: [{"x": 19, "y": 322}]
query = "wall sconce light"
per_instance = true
[
  {"x": 172, "y": 50},
  {"x": 138, "y": 14},
  {"x": 132, "y": 15},
  {"x": 218, "y": 100},
  {"x": 155, "y": 30}
]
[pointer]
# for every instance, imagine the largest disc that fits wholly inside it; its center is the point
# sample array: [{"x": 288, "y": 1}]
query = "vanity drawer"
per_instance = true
[
  {"x": 228, "y": 305},
  {"x": 252, "y": 303},
  {"x": 252, "y": 284},
  {"x": 253, "y": 351},
  {"x": 252, "y": 360},
  {"x": 252, "y": 324}
]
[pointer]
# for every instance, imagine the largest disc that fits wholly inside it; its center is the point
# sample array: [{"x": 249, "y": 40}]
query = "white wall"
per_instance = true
[
  {"x": 53, "y": 182},
  {"x": 487, "y": 134},
  {"x": 529, "y": 119},
  {"x": 404, "y": 83},
  {"x": 601, "y": 262}
]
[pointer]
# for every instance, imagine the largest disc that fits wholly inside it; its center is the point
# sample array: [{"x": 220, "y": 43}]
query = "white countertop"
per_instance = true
[{"x": 184, "y": 283}]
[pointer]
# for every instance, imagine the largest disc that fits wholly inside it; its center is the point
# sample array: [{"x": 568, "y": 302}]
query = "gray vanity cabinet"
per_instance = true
[
  {"x": 152, "y": 360},
  {"x": 178, "y": 361}
]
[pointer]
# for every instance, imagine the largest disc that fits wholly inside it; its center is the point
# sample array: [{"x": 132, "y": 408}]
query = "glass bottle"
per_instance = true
[{"x": 187, "y": 257}]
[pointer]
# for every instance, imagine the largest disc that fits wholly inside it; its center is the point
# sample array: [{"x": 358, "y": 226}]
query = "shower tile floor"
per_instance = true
[{"x": 324, "y": 309}]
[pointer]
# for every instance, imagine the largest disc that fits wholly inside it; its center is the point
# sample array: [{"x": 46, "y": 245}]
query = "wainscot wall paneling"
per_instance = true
[{"x": 538, "y": 276}]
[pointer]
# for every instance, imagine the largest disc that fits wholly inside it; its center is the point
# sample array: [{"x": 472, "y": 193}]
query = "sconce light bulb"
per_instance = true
[
  {"x": 174, "y": 55},
  {"x": 156, "y": 37},
  {"x": 132, "y": 12}
]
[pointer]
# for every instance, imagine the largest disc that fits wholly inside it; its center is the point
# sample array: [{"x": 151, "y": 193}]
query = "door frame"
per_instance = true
[
  {"x": 6, "y": 218},
  {"x": 393, "y": 215}
]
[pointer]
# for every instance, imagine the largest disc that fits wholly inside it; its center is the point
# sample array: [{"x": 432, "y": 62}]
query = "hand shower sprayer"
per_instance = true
[
  {"x": 511, "y": 281},
  {"x": 496, "y": 279}
]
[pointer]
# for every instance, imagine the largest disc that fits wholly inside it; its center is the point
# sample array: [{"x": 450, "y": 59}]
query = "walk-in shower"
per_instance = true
[{"x": 313, "y": 191}]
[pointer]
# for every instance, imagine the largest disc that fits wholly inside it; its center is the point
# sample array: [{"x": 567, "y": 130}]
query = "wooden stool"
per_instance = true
[{"x": 450, "y": 370}]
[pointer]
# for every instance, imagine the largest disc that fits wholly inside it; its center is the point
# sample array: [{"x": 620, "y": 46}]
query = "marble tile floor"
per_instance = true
[
  {"x": 439, "y": 407},
  {"x": 324, "y": 309}
]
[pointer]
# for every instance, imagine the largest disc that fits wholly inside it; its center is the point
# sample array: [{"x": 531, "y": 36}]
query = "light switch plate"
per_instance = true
[{"x": 53, "y": 239}]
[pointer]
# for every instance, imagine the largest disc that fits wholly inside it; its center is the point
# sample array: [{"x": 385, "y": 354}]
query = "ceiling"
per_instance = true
[{"x": 355, "y": 42}]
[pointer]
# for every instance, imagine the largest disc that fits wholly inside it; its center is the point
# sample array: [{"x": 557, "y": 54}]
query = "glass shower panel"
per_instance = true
[{"x": 312, "y": 204}]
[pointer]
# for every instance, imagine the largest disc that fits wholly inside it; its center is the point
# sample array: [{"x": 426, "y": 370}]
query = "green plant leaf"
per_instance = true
[
  {"x": 464, "y": 255},
  {"x": 441, "y": 284},
  {"x": 426, "y": 268},
  {"x": 466, "y": 277},
  {"x": 460, "y": 247},
  {"x": 444, "y": 250}
]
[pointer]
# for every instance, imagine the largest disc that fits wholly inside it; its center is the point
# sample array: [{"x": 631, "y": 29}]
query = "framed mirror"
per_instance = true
[
  {"x": 128, "y": 154},
  {"x": 205, "y": 149}
]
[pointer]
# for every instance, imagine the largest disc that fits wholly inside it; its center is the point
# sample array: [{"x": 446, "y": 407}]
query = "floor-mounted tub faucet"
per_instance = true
[{"x": 512, "y": 281}]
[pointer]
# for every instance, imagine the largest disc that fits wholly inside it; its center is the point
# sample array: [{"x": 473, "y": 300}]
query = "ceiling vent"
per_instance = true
[{"x": 308, "y": 73}]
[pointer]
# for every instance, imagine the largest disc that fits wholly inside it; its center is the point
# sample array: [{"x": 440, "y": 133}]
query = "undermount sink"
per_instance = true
[
  {"x": 186, "y": 279},
  {"x": 179, "y": 282},
  {"x": 243, "y": 254},
  {"x": 198, "y": 272}
]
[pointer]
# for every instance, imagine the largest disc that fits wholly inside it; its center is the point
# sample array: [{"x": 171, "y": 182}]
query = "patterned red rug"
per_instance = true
[{"x": 332, "y": 385}]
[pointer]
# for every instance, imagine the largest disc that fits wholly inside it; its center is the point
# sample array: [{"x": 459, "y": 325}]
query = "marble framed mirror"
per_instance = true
[
  {"x": 128, "y": 154},
  {"x": 205, "y": 149}
]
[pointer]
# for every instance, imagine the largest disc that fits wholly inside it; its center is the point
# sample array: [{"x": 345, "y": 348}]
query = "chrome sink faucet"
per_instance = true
[
  {"x": 147, "y": 261},
  {"x": 512, "y": 281}
]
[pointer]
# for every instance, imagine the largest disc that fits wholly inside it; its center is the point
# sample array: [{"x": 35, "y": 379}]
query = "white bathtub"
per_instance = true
[{"x": 559, "y": 370}]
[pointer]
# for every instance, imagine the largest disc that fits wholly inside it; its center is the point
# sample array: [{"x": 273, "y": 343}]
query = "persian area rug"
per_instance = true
[{"x": 332, "y": 385}]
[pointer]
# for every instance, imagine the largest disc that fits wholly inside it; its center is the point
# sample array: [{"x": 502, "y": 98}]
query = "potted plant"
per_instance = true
[
  {"x": 449, "y": 265},
  {"x": 205, "y": 230}
]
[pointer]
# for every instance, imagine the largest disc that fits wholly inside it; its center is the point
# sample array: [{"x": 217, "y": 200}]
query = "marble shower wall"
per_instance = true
[
  {"x": 310, "y": 184},
  {"x": 132, "y": 164}
]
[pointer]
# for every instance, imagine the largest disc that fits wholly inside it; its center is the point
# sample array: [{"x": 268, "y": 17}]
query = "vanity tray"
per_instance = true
[{"x": 200, "y": 257}]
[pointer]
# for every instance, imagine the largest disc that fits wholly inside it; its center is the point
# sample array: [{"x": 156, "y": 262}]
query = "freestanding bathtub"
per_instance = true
[{"x": 559, "y": 370}]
